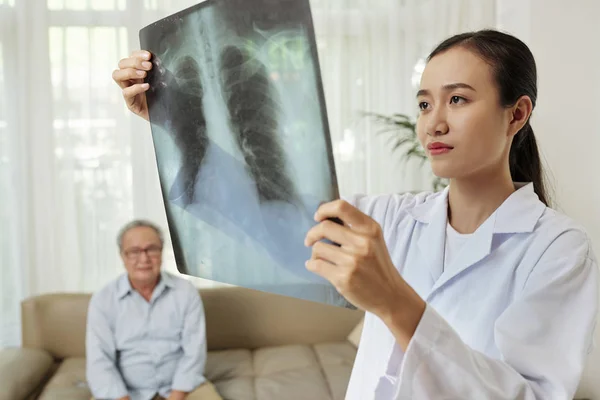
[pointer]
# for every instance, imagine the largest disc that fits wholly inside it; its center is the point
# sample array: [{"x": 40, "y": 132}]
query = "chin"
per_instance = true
[
  {"x": 146, "y": 275},
  {"x": 444, "y": 173},
  {"x": 448, "y": 169}
]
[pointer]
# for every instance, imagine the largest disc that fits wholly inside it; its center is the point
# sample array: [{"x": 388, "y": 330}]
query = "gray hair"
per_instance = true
[{"x": 138, "y": 223}]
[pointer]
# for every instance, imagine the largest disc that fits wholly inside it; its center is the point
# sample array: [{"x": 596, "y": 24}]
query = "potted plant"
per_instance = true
[{"x": 403, "y": 132}]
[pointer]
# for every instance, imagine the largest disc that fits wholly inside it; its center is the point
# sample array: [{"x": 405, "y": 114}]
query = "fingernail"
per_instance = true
[
  {"x": 146, "y": 64},
  {"x": 145, "y": 85},
  {"x": 141, "y": 73},
  {"x": 146, "y": 55}
]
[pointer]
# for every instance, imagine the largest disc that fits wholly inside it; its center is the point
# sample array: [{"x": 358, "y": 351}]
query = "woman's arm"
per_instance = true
[{"x": 543, "y": 337}]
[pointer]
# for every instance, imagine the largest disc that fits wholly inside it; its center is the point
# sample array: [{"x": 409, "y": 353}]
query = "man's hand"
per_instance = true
[
  {"x": 130, "y": 77},
  {"x": 125, "y": 398}
]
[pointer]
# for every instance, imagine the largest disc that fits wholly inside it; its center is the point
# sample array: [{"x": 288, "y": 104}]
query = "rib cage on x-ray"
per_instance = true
[
  {"x": 253, "y": 112},
  {"x": 241, "y": 141}
]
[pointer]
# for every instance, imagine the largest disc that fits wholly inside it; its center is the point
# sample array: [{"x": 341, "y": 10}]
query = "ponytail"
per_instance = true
[{"x": 526, "y": 164}]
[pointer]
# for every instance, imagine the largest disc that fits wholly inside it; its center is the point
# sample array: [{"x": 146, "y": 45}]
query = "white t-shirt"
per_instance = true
[{"x": 455, "y": 241}]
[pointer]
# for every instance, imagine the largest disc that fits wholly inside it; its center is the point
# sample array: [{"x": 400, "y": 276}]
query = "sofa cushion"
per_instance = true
[
  {"x": 236, "y": 388},
  {"x": 232, "y": 373},
  {"x": 336, "y": 360},
  {"x": 227, "y": 364},
  {"x": 68, "y": 382},
  {"x": 56, "y": 323},
  {"x": 291, "y": 372},
  {"x": 294, "y": 372},
  {"x": 22, "y": 372},
  {"x": 283, "y": 372}
]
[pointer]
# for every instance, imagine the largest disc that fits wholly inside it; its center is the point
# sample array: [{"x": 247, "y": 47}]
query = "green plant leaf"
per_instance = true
[{"x": 401, "y": 130}]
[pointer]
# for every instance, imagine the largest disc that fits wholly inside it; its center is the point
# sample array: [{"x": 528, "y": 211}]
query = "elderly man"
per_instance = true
[{"x": 145, "y": 335}]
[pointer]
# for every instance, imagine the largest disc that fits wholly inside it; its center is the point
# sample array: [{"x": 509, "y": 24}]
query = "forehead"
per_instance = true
[
  {"x": 457, "y": 65},
  {"x": 140, "y": 235}
]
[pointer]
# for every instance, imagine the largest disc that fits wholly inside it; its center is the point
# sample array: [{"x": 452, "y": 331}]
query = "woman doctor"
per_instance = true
[{"x": 480, "y": 291}]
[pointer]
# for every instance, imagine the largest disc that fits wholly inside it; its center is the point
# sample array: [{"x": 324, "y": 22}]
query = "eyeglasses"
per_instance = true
[{"x": 136, "y": 252}]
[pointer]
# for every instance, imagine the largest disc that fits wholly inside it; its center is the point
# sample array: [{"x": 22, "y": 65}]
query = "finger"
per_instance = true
[
  {"x": 124, "y": 77},
  {"x": 145, "y": 54},
  {"x": 322, "y": 268},
  {"x": 345, "y": 211},
  {"x": 330, "y": 253},
  {"x": 130, "y": 92},
  {"x": 136, "y": 63},
  {"x": 329, "y": 230}
]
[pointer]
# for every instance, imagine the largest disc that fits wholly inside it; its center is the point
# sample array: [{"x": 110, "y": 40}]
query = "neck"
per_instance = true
[
  {"x": 144, "y": 288},
  {"x": 471, "y": 201}
]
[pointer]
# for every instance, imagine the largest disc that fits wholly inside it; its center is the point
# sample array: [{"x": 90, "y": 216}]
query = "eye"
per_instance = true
[
  {"x": 457, "y": 100},
  {"x": 423, "y": 105},
  {"x": 133, "y": 252}
]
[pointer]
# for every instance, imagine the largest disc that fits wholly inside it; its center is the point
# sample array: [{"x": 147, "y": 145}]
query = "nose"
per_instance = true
[
  {"x": 437, "y": 124},
  {"x": 144, "y": 256}
]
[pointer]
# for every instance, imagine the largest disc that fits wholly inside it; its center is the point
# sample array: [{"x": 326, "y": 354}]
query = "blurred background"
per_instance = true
[{"x": 75, "y": 165}]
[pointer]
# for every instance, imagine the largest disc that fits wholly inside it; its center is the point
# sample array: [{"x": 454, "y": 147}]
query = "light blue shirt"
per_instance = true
[{"x": 140, "y": 348}]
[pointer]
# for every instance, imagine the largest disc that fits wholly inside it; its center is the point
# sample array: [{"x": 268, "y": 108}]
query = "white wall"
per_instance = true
[{"x": 565, "y": 39}]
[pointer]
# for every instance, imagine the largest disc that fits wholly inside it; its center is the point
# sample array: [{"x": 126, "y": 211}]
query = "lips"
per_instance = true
[{"x": 438, "y": 146}]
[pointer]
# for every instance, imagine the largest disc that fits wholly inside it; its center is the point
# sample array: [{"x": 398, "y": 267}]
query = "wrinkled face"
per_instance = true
[
  {"x": 462, "y": 126},
  {"x": 142, "y": 255}
]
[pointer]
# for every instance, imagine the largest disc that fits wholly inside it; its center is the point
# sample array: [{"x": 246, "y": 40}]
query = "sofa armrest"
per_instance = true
[{"x": 22, "y": 371}]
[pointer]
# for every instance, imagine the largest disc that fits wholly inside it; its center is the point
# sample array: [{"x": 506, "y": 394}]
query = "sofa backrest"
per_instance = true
[{"x": 235, "y": 318}]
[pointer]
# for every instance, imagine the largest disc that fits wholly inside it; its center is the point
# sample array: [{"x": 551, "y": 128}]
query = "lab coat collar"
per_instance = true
[{"x": 519, "y": 213}]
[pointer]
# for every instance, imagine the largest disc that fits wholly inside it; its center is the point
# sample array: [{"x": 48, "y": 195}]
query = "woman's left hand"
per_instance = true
[{"x": 360, "y": 268}]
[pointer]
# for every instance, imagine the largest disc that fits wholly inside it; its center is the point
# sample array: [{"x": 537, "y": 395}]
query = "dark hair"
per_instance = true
[{"x": 515, "y": 72}]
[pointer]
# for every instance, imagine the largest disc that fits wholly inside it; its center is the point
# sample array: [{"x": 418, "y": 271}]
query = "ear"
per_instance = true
[{"x": 519, "y": 115}]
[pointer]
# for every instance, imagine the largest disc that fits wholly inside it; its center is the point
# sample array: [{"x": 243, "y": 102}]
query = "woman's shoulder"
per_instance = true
[{"x": 566, "y": 236}]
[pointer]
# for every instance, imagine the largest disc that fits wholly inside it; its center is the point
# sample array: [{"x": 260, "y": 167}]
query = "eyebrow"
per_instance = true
[{"x": 447, "y": 88}]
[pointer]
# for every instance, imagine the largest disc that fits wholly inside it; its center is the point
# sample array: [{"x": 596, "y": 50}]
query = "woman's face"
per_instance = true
[{"x": 462, "y": 126}]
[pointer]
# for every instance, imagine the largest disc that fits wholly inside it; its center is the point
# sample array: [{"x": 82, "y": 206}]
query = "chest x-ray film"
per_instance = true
[{"x": 242, "y": 142}]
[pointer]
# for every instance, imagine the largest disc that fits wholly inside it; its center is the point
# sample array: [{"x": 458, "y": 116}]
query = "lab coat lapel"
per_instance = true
[
  {"x": 433, "y": 214},
  {"x": 475, "y": 249},
  {"x": 518, "y": 214}
]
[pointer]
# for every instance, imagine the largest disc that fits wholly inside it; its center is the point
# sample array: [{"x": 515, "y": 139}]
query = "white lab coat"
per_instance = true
[{"x": 512, "y": 317}]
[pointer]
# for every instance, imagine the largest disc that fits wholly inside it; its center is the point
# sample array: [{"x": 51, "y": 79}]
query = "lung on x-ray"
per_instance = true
[{"x": 242, "y": 142}]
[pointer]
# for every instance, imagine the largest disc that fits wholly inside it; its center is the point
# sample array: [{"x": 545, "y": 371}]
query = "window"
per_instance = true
[
  {"x": 67, "y": 139},
  {"x": 9, "y": 315},
  {"x": 92, "y": 149},
  {"x": 96, "y": 5}
]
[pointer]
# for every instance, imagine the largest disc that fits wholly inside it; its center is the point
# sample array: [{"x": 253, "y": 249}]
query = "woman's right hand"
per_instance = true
[{"x": 130, "y": 77}]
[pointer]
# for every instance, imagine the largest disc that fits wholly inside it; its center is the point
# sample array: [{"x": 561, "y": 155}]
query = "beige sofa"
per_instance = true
[{"x": 261, "y": 347}]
